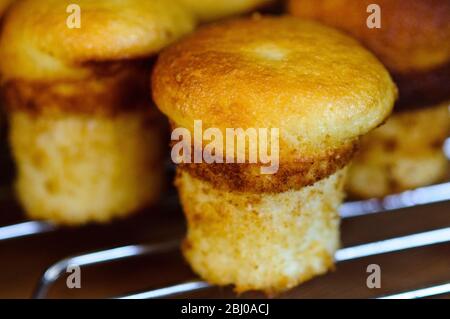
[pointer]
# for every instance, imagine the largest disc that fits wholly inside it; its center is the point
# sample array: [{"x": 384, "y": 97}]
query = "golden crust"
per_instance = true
[
  {"x": 413, "y": 36},
  {"x": 111, "y": 88},
  {"x": 317, "y": 86},
  {"x": 37, "y": 44},
  {"x": 291, "y": 175},
  {"x": 207, "y": 10},
  {"x": 405, "y": 153},
  {"x": 268, "y": 242}
]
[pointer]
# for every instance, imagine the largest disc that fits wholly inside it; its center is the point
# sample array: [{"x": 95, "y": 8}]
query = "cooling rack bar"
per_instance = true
[
  {"x": 420, "y": 196},
  {"x": 432, "y": 237},
  {"x": 190, "y": 286},
  {"x": 376, "y": 248},
  {"x": 53, "y": 273},
  {"x": 422, "y": 293},
  {"x": 370, "y": 249},
  {"x": 25, "y": 229},
  {"x": 31, "y": 228}
]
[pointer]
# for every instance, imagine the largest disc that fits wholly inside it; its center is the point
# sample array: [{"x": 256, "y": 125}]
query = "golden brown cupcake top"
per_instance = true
[
  {"x": 414, "y": 34},
  {"x": 207, "y": 10},
  {"x": 37, "y": 43},
  {"x": 317, "y": 85}
]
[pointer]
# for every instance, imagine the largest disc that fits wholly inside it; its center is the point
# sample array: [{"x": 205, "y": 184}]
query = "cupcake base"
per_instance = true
[
  {"x": 403, "y": 154},
  {"x": 268, "y": 242},
  {"x": 74, "y": 169}
]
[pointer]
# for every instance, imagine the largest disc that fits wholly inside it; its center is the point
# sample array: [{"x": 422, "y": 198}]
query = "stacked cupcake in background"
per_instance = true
[
  {"x": 413, "y": 41},
  {"x": 87, "y": 143}
]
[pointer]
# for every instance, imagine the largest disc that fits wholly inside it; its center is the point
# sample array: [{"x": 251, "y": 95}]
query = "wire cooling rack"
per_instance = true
[{"x": 418, "y": 197}]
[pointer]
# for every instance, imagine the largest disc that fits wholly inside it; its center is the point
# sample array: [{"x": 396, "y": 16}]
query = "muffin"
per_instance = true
[
  {"x": 413, "y": 43},
  {"x": 405, "y": 153},
  {"x": 208, "y": 10},
  {"x": 322, "y": 91},
  {"x": 87, "y": 143}
]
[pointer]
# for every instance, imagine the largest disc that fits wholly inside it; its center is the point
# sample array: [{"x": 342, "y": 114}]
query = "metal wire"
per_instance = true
[
  {"x": 53, "y": 273},
  {"x": 432, "y": 237},
  {"x": 177, "y": 289},
  {"x": 346, "y": 254},
  {"x": 422, "y": 293},
  {"x": 421, "y": 196},
  {"x": 25, "y": 229}
]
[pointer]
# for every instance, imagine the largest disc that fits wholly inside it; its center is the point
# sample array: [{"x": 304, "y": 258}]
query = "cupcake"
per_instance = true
[
  {"x": 413, "y": 43},
  {"x": 256, "y": 229},
  {"x": 86, "y": 141}
]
